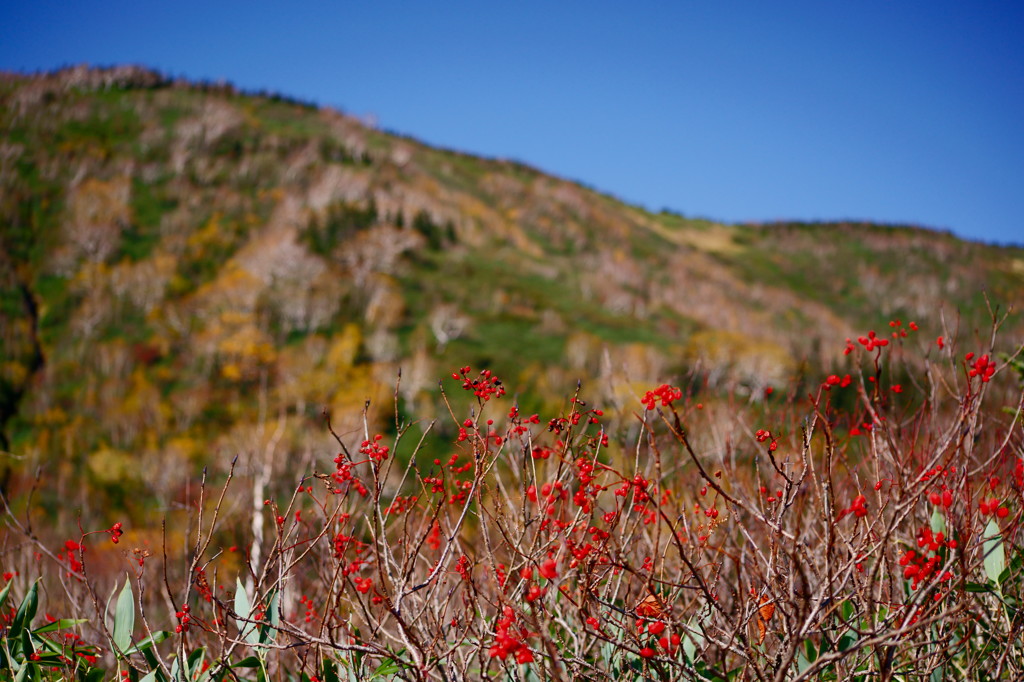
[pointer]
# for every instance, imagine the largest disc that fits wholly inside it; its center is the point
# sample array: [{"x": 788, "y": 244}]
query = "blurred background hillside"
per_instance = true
[{"x": 189, "y": 272}]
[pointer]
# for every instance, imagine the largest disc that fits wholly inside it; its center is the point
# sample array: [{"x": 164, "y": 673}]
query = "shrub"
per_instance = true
[{"x": 791, "y": 540}]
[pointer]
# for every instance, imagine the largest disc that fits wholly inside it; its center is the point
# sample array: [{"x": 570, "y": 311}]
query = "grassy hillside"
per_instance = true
[{"x": 188, "y": 273}]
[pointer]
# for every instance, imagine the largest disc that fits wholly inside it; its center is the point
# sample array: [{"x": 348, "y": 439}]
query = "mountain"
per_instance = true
[{"x": 189, "y": 272}]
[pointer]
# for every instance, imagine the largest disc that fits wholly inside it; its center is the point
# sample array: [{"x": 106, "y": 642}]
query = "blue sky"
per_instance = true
[{"x": 909, "y": 112}]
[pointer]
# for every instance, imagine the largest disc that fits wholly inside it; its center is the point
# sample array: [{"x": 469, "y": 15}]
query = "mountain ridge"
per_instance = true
[{"x": 138, "y": 76}]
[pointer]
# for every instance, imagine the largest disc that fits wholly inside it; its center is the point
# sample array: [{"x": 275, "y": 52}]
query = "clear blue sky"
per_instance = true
[{"x": 906, "y": 112}]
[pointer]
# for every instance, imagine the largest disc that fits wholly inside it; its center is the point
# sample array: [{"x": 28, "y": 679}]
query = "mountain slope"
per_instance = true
[{"x": 189, "y": 272}]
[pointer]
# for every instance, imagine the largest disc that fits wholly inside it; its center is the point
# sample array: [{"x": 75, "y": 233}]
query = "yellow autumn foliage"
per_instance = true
[
  {"x": 345, "y": 349},
  {"x": 13, "y": 371},
  {"x": 210, "y": 233},
  {"x": 110, "y": 465},
  {"x": 731, "y": 357}
]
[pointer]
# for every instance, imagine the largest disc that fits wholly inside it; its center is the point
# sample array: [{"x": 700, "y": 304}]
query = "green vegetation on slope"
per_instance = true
[{"x": 187, "y": 271}]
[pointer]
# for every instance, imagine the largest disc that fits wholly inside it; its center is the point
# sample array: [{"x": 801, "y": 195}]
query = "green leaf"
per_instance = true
[
  {"x": 529, "y": 675},
  {"x": 388, "y": 667},
  {"x": 149, "y": 677},
  {"x": 275, "y": 609},
  {"x": 156, "y": 638},
  {"x": 693, "y": 640},
  {"x": 61, "y": 624},
  {"x": 124, "y": 618},
  {"x": 179, "y": 673},
  {"x": 49, "y": 644},
  {"x": 4, "y": 592},
  {"x": 51, "y": 658},
  {"x": 195, "y": 658},
  {"x": 995, "y": 558},
  {"x": 1016, "y": 562},
  {"x": 802, "y": 663},
  {"x": 26, "y": 643},
  {"x": 846, "y": 609},
  {"x": 154, "y": 664},
  {"x": 242, "y": 604},
  {"x": 938, "y": 523},
  {"x": 247, "y": 662},
  {"x": 608, "y": 652},
  {"x": 26, "y": 612},
  {"x": 689, "y": 648},
  {"x": 330, "y": 672},
  {"x": 711, "y": 674},
  {"x": 976, "y": 587},
  {"x": 243, "y": 607},
  {"x": 268, "y": 631}
]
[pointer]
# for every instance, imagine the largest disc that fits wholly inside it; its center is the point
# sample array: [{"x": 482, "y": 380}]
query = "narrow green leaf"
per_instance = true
[
  {"x": 812, "y": 654},
  {"x": 243, "y": 607},
  {"x": 976, "y": 587},
  {"x": 48, "y": 644},
  {"x": 330, "y": 672},
  {"x": 247, "y": 662},
  {"x": 154, "y": 665},
  {"x": 26, "y": 644},
  {"x": 26, "y": 612},
  {"x": 386, "y": 668},
  {"x": 156, "y": 638},
  {"x": 802, "y": 663},
  {"x": 51, "y": 658},
  {"x": 195, "y": 658},
  {"x": 275, "y": 609},
  {"x": 124, "y": 618},
  {"x": 268, "y": 631},
  {"x": 995, "y": 557},
  {"x": 529, "y": 675},
  {"x": 62, "y": 624},
  {"x": 4, "y": 592},
  {"x": 938, "y": 523},
  {"x": 1003, "y": 577},
  {"x": 698, "y": 635},
  {"x": 357, "y": 665},
  {"x": 608, "y": 652},
  {"x": 1016, "y": 562},
  {"x": 689, "y": 648}
]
